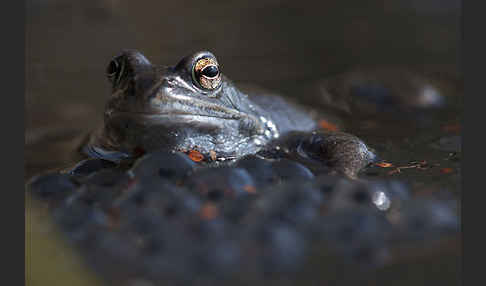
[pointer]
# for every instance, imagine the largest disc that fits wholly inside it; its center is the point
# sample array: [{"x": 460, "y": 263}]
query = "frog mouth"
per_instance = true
[
  {"x": 188, "y": 117},
  {"x": 209, "y": 112},
  {"x": 176, "y": 109},
  {"x": 175, "y": 118},
  {"x": 186, "y": 106}
]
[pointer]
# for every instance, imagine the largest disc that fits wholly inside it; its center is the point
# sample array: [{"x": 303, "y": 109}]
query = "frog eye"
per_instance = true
[
  {"x": 114, "y": 70},
  {"x": 206, "y": 73}
]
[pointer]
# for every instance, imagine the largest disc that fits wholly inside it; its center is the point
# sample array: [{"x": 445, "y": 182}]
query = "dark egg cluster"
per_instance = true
[{"x": 166, "y": 218}]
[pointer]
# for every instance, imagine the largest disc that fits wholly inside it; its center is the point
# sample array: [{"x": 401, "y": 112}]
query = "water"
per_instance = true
[{"x": 285, "y": 46}]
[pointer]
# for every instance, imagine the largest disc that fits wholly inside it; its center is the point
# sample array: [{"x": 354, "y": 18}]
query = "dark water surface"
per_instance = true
[{"x": 285, "y": 46}]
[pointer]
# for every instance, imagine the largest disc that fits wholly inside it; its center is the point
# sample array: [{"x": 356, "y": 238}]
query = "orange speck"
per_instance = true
[
  {"x": 195, "y": 156},
  {"x": 446, "y": 170},
  {"x": 113, "y": 217},
  {"x": 250, "y": 189},
  {"x": 324, "y": 124},
  {"x": 384, "y": 164},
  {"x": 138, "y": 151},
  {"x": 454, "y": 127},
  {"x": 208, "y": 211}
]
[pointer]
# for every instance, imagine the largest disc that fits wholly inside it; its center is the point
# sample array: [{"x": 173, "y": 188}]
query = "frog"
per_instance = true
[
  {"x": 394, "y": 90},
  {"x": 193, "y": 107}
]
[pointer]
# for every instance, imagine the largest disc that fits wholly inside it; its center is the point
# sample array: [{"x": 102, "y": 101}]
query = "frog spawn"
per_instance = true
[{"x": 263, "y": 217}]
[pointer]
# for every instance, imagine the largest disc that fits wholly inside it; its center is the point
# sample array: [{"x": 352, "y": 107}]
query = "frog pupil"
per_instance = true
[{"x": 210, "y": 71}]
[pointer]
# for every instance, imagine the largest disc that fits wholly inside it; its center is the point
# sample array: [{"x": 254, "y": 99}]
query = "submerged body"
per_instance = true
[{"x": 194, "y": 107}]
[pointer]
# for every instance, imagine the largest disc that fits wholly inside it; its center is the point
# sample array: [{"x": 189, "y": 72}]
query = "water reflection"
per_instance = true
[{"x": 381, "y": 200}]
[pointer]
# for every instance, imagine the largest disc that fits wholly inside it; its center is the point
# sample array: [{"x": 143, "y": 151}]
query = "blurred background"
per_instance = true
[
  {"x": 275, "y": 44},
  {"x": 280, "y": 45}
]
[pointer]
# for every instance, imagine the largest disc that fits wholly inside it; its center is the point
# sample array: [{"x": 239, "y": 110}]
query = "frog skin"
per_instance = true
[
  {"x": 168, "y": 108},
  {"x": 191, "y": 106}
]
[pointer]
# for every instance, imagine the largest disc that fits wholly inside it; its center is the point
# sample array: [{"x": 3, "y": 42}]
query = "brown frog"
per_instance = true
[{"x": 192, "y": 106}]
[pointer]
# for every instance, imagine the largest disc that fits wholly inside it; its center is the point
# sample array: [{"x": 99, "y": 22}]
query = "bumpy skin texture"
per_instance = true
[{"x": 154, "y": 108}]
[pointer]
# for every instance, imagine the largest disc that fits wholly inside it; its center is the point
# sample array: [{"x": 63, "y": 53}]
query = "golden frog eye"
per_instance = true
[{"x": 206, "y": 73}]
